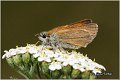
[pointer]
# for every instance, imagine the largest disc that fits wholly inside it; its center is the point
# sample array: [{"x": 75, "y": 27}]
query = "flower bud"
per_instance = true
[
  {"x": 92, "y": 76},
  {"x": 26, "y": 58},
  {"x": 10, "y": 61},
  {"x": 85, "y": 75},
  {"x": 33, "y": 59},
  {"x": 45, "y": 69},
  {"x": 65, "y": 77},
  {"x": 66, "y": 69},
  {"x": 55, "y": 74},
  {"x": 75, "y": 73},
  {"x": 17, "y": 60}
]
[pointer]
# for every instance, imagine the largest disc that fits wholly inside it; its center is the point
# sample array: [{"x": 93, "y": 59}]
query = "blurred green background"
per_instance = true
[{"x": 22, "y": 20}]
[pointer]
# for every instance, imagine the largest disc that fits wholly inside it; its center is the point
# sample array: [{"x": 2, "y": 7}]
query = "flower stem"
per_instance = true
[
  {"x": 38, "y": 70},
  {"x": 23, "y": 74}
]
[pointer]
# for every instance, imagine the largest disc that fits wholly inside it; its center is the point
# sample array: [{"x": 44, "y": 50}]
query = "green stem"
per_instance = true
[
  {"x": 23, "y": 74},
  {"x": 38, "y": 70}
]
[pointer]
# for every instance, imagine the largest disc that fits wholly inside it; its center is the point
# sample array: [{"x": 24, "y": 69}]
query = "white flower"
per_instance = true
[
  {"x": 71, "y": 59},
  {"x": 21, "y": 50},
  {"x": 79, "y": 67},
  {"x": 57, "y": 58},
  {"x": 43, "y": 57},
  {"x": 49, "y": 53},
  {"x": 65, "y": 63},
  {"x": 32, "y": 49},
  {"x": 99, "y": 66},
  {"x": 6, "y": 55},
  {"x": 82, "y": 69},
  {"x": 12, "y": 52},
  {"x": 60, "y": 57},
  {"x": 36, "y": 55},
  {"x": 55, "y": 66},
  {"x": 73, "y": 52},
  {"x": 76, "y": 66},
  {"x": 3, "y": 56},
  {"x": 95, "y": 71},
  {"x": 47, "y": 59},
  {"x": 9, "y": 53},
  {"x": 40, "y": 59},
  {"x": 90, "y": 67},
  {"x": 74, "y": 58},
  {"x": 68, "y": 62},
  {"x": 39, "y": 48},
  {"x": 57, "y": 54}
]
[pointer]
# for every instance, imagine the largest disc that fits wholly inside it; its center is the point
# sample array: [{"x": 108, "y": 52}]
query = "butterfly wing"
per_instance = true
[{"x": 79, "y": 34}]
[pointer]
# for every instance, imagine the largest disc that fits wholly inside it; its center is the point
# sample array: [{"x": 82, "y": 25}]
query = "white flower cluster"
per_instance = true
[{"x": 57, "y": 58}]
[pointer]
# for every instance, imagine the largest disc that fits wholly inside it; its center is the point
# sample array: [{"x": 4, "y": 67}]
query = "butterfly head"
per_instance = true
[{"x": 43, "y": 37}]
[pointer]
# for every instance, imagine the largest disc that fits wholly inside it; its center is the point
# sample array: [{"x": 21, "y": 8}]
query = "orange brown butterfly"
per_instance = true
[{"x": 72, "y": 36}]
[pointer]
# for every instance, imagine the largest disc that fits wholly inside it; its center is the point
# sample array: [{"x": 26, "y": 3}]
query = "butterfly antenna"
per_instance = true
[{"x": 37, "y": 34}]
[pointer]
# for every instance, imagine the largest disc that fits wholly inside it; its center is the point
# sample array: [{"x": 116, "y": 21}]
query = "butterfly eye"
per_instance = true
[{"x": 44, "y": 36}]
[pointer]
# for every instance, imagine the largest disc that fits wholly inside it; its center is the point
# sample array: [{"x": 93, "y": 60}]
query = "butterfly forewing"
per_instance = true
[{"x": 78, "y": 34}]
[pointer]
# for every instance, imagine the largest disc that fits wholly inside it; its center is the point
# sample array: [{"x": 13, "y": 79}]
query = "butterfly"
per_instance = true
[{"x": 72, "y": 36}]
